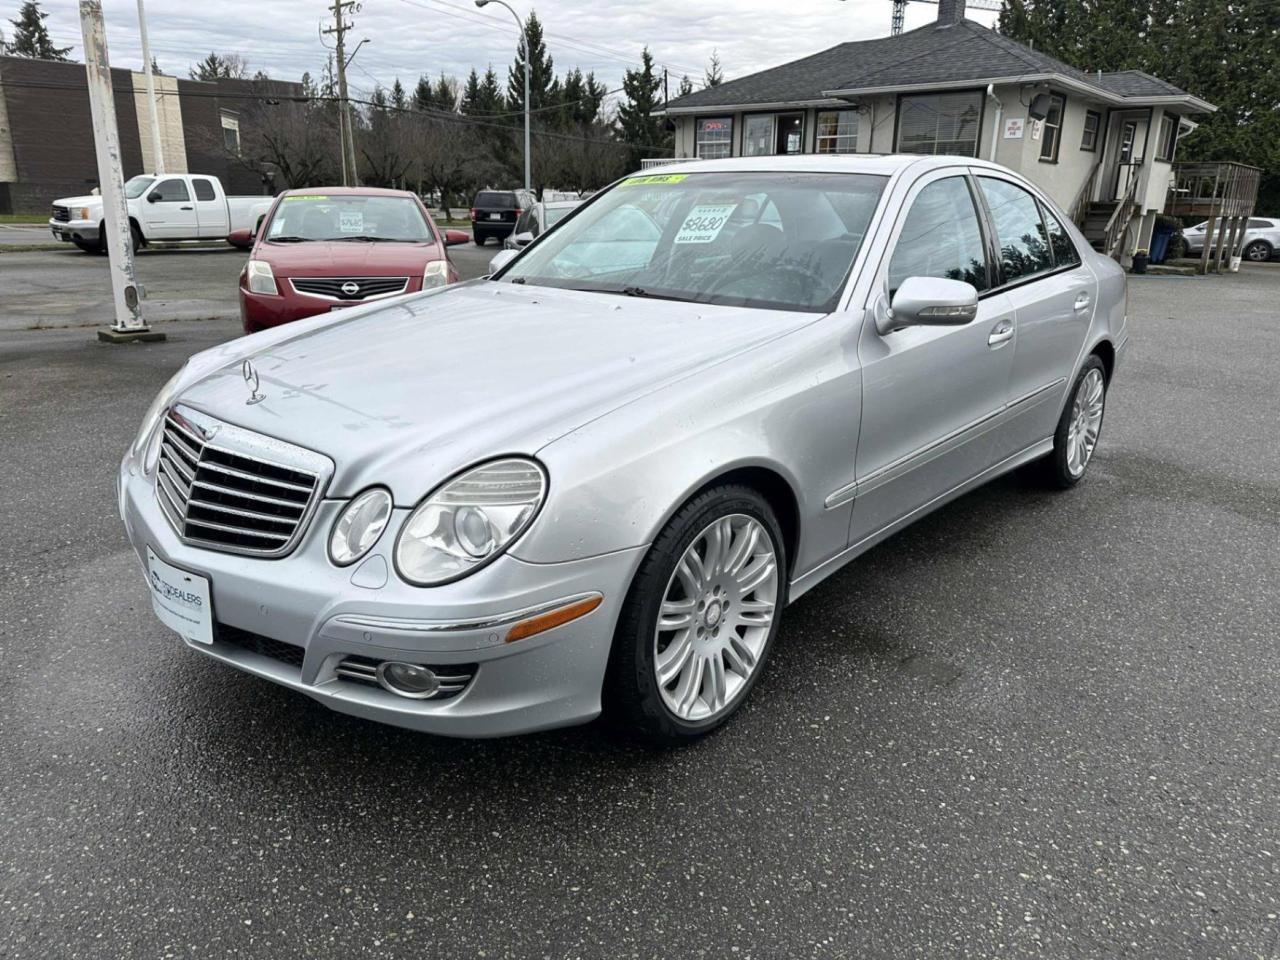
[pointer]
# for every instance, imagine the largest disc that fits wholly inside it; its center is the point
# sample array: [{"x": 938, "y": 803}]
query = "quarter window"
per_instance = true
[
  {"x": 203, "y": 188},
  {"x": 940, "y": 123},
  {"x": 1064, "y": 251},
  {"x": 1051, "y": 138},
  {"x": 1092, "y": 124},
  {"x": 941, "y": 237},
  {"x": 714, "y": 138},
  {"x": 171, "y": 191},
  {"x": 1020, "y": 233},
  {"x": 837, "y": 131}
]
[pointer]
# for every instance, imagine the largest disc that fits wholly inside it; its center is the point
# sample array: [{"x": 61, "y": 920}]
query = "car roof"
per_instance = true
[
  {"x": 348, "y": 192},
  {"x": 881, "y": 164},
  {"x": 561, "y": 203}
]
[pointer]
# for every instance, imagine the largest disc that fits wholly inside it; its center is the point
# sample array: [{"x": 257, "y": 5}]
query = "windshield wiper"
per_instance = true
[
  {"x": 633, "y": 291},
  {"x": 288, "y": 239},
  {"x": 368, "y": 239}
]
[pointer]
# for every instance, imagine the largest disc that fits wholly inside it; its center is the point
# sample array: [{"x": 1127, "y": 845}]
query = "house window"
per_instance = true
[
  {"x": 1168, "y": 140},
  {"x": 940, "y": 123},
  {"x": 1051, "y": 139},
  {"x": 757, "y": 136},
  {"x": 837, "y": 131},
  {"x": 1092, "y": 124},
  {"x": 714, "y": 138},
  {"x": 230, "y": 131}
]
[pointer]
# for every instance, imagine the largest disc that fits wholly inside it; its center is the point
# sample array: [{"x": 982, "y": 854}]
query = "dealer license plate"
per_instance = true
[{"x": 180, "y": 599}]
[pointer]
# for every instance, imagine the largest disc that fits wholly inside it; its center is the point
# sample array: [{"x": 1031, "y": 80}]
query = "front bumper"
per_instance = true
[
  {"x": 261, "y": 311},
  {"x": 549, "y": 680},
  {"x": 81, "y": 231}
]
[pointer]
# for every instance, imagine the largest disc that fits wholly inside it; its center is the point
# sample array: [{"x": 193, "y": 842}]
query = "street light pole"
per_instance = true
[
  {"x": 528, "y": 55},
  {"x": 157, "y": 151}
]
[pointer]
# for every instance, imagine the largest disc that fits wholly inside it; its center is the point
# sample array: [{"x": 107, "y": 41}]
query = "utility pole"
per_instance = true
[
  {"x": 157, "y": 150},
  {"x": 345, "y": 126},
  {"x": 125, "y": 291}
]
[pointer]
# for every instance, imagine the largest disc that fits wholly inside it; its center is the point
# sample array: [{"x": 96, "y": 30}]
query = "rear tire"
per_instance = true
[
  {"x": 1258, "y": 252},
  {"x": 136, "y": 242},
  {"x": 716, "y": 575},
  {"x": 1079, "y": 428},
  {"x": 480, "y": 240}
]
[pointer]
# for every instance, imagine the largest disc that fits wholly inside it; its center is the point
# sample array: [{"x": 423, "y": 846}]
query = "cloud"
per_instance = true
[{"x": 409, "y": 38}]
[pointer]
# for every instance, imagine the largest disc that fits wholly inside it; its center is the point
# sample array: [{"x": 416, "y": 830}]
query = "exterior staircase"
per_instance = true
[{"x": 1097, "y": 216}]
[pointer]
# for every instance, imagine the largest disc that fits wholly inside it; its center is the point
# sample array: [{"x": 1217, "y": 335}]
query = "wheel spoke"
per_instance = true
[
  {"x": 674, "y": 658},
  {"x": 755, "y": 574},
  {"x": 742, "y": 549},
  {"x": 676, "y": 614},
  {"x": 717, "y": 689},
  {"x": 718, "y": 538},
  {"x": 692, "y": 572},
  {"x": 755, "y": 613},
  {"x": 739, "y": 657},
  {"x": 690, "y": 686}
]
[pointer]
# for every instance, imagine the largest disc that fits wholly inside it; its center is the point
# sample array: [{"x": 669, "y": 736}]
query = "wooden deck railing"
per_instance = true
[{"x": 1213, "y": 189}]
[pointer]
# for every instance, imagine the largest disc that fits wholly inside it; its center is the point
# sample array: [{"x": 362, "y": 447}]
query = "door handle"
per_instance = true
[
  {"x": 186, "y": 208},
  {"x": 1001, "y": 334},
  {"x": 1082, "y": 301}
]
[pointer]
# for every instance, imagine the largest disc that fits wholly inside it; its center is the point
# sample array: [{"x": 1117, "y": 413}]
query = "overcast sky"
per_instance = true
[{"x": 412, "y": 37}]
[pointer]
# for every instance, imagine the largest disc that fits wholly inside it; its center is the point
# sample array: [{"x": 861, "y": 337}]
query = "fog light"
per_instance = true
[{"x": 408, "y": 680}]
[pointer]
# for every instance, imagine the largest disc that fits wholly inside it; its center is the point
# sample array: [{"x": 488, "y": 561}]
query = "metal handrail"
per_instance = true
[{"x": 1080, "y": 205}]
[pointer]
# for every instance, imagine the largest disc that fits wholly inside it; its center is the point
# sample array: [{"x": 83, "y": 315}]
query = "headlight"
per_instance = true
[
  {"x": 359, "y": 526},
  {"x": 152, "y": 418},
  {"x": 436, "y": 274},
  {"x": 261, "y": 279},
  {"x": 469, "y": 521},
  {"x": 83, "y": 213}
]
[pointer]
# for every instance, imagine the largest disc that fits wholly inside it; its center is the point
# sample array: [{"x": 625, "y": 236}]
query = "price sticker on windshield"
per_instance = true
[
  {"x": 704, "y": 222},
  {"x": 351, "y": 221}
]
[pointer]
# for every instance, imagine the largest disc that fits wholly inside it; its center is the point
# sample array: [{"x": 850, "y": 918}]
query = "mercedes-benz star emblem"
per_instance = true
[
  {"x": 251, "y": 379},
  {"x": 350, "y": 288}
]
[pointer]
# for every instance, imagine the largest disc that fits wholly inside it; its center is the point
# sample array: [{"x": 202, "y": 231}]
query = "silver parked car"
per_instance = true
[
  {"x": 1260, "y": 243},
  {"x": 594, "y": 480}
]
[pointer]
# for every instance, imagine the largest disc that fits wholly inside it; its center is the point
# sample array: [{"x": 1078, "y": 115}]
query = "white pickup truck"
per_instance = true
[{"x": 177, "y": 206}]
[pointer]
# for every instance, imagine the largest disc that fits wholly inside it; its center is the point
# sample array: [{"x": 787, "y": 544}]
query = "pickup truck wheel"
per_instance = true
[
  {"x": 87, "y": 247},
  {"x": 135, "y": 238}
]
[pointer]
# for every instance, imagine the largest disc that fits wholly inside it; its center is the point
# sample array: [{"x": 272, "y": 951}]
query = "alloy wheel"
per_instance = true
[
  {"x": 1257, "y": 252},
  {"x": 715, "y": 617},
  {"x": 1086, "y": 421}
]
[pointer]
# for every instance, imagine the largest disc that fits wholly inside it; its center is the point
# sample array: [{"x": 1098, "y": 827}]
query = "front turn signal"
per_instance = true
[{"x": 553, "y": 618}]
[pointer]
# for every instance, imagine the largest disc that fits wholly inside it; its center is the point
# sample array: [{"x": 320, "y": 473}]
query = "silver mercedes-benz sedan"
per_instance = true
[{"x": 592, "y": 481}]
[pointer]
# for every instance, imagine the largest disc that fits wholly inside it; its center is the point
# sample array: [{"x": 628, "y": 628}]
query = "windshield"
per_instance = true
[
  {"x": 136, "y": 186},
  {"x": 309, "y": 217},
  {"x": 779, "y": 240},
  {"x": 556, "y": 214}
]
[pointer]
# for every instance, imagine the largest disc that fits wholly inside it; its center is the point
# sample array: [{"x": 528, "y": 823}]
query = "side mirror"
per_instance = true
[
  {"x": 153, "y": 196},
  {"x": 242, "y": 238},
  {"x": 454, "y": 237},
  {"x": 930, "y": 302},
  {"x": 501, "y": 259},
  {"x": 522, "y": 239}
]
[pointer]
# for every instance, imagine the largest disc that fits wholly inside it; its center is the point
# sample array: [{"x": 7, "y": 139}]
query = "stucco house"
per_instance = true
[{"x": 1103, "y": 145}]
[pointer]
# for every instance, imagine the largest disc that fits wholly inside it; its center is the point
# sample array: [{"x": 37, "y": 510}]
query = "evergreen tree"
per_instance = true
[
  {"x": 471, "y": 92},
  {"x": 223, "y": 66},
  {"x": 542, "y": 77},
  {"x": 715, "y": 74},
  {"x": 446, "y": 95},
  {"x": 31, "y": 36},
  {"x": 643, "y": 132},
  {"x": 685, "y": 88},
  {"x": 398, "y": 98}
]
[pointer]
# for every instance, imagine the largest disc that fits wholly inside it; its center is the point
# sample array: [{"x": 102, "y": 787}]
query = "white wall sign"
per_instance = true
[
  {"x": 1013, "y": 128},
  {"x": 1037, "y": 127}
]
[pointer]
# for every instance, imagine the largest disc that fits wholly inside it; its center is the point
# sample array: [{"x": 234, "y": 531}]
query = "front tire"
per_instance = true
[
  {"x": 1258, "y": 252},
  {"x": 700, "y": 618},
  {"x": 1079, "y": 427}
]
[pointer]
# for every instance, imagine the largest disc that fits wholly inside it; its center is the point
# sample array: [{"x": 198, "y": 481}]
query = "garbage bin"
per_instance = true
[{"x": 1160, "y": 243}]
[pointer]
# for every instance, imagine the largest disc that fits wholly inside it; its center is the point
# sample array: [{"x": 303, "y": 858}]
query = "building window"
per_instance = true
[
  {"x": 1168, "y": 140},
  {"x": 757, "y": 136},
  {"x": 940, "y": 123},
  {"x": 837, "y": 131},
  {"x": 231, "y": 131},
  {"x": 1051, "y": 138},
  {"x": 1092, "y": 124},
  {"x": 714, "y": 138}
]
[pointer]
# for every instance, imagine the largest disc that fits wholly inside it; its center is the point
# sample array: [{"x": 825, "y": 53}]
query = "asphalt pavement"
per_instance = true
[{"x": 1032, "y": 725}]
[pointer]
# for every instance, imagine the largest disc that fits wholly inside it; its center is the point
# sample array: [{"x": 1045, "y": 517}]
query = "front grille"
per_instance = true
[
  {"x": 357, "y": 288},
  {"x": 289, "y": 653},
  {"x": 61, "y": 213},
  {"x": 217, "y": 498},
  {"x": 453, "y": 677}
]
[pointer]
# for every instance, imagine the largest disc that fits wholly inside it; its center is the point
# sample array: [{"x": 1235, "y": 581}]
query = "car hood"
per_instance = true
[
  {"x": 85, "y": 201},
  {"x": 346, "y": 258},
  {"x": 406, "y": 394}
]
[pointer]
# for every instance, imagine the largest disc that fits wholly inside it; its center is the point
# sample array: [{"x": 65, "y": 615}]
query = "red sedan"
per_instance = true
[{"x": 334, "y": 247}]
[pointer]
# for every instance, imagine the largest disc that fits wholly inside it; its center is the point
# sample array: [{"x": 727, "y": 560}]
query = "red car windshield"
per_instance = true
[{"x": 314, "y": 217}]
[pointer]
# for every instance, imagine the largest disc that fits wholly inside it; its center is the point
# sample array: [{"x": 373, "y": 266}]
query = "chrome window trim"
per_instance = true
[{"x": 323, "y": 296}]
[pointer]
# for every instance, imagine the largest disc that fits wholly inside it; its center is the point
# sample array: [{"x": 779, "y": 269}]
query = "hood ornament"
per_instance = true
[{"x": 250, "y": 374}]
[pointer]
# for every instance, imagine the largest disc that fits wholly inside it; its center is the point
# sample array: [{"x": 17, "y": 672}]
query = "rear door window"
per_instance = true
[
  {"x": 1064, "y": 251},
  {"x": 1020, "y": 233},
  {"x": 203, "y": 188}
]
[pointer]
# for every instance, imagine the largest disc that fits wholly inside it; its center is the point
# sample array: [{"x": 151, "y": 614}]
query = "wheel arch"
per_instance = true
[{"x": 1106, "y": 352}]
